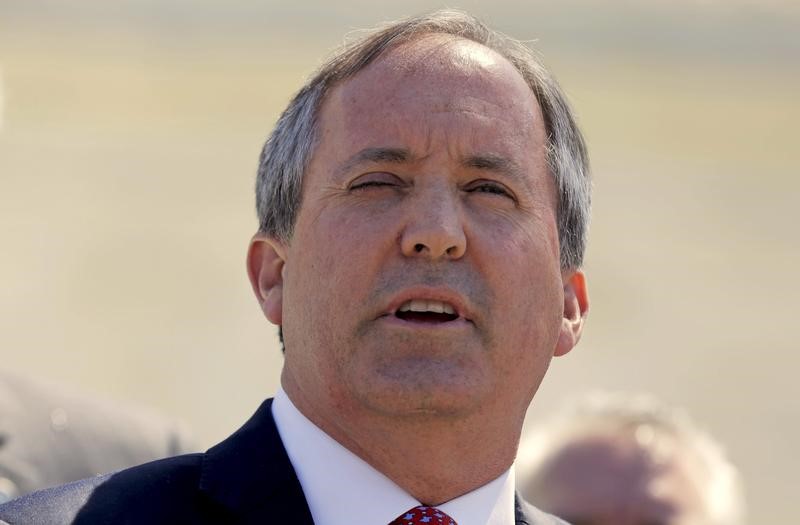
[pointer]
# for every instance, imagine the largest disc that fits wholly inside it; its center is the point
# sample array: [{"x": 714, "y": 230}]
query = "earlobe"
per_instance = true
[
  {"x": 576, "y": 308},
  {"x": 266, "y": 264}
]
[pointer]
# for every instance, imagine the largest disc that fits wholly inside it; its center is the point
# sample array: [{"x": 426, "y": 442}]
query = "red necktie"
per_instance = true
[{"x": 423, "y": 515}]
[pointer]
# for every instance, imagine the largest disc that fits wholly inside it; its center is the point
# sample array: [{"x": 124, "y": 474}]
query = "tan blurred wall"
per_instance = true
[{"x": 127, "y": 163}]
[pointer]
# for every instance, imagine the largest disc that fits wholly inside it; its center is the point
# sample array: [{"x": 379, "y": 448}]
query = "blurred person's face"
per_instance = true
[
  {"x": 423, "y": 274},
  {"x": 613, "y": 480}
]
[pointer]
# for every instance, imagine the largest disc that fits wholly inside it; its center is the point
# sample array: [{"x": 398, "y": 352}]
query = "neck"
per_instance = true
[{"x": 434, "y": 459}]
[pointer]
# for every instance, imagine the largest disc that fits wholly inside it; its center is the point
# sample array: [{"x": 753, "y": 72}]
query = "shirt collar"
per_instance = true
[{"x": 335, "y": 481}]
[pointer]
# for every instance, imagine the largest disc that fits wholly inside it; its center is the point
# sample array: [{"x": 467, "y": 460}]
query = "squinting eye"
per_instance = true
[
  {"x": 370, "y": 183},
  {"x": 374, "y": 180},
  {"x": 493, "y": 188}
]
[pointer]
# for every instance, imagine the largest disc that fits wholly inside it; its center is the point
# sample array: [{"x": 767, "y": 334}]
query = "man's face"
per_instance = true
[{"x": 423, "y": 274}]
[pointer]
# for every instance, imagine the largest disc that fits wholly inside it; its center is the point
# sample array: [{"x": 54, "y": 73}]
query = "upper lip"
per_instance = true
[{"x": 425, "y": 293}]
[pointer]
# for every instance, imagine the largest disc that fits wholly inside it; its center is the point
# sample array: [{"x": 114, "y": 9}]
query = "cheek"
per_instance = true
[
  {"x": 524, "y": 251},
  {"x": 525, "y": 267},
  {"x": 342, "y": 253},
  {"x": 361, "y": 237}
]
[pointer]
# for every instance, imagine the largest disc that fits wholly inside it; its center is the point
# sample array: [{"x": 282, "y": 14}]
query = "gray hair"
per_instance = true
[
  {"x": 289, "y": 148},
  {"x": 648, "y": 421}
]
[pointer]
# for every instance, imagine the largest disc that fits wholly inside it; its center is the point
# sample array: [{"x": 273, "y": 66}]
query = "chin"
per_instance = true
[
  {"x": 438, "y": 405},
  {"x": 423, "y": 388}
]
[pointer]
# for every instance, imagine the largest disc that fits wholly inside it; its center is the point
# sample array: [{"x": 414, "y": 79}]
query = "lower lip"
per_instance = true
[{"x": 458, "y": 324}]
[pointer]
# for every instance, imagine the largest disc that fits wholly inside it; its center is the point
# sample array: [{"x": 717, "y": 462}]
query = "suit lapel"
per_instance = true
[
  {"x": 250, "y": 475},
  {"x": 527, "y": 514},
  {"x": 519, "y": 515}
]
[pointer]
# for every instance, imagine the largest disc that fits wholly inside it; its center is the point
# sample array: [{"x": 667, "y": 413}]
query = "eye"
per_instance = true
[
  {"x": 490, "y": 187},
  {"x": 375, "y": 180}
]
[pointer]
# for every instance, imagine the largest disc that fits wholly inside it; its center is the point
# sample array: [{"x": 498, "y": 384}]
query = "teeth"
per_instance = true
[
  {"x": 418, "y": 305},
  {"x": 435, "y": 307}
]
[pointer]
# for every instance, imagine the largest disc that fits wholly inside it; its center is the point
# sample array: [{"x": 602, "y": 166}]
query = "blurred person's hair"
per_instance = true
[
  {"x": 290, "y": 147},
  {"x": 648, "y": 421}
]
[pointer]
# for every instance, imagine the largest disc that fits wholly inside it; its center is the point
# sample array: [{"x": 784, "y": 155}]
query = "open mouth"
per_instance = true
[{"x": 422, "y": 311}]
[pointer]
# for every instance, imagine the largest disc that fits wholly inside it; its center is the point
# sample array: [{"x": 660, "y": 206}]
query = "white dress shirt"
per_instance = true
[{"x": 336, "y": 482}]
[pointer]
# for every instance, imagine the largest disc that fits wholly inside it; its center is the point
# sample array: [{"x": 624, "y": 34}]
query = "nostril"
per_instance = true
[{"x": 419, "y": 247}]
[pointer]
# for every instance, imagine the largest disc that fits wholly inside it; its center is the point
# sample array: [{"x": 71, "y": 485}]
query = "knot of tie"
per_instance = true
[{"x": 423, "y": 515}]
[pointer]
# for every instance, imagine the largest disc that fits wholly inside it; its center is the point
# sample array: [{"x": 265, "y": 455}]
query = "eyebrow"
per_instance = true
[
  {"x": 375, "y": 155},
  {"x": 494, "y": 163},
  {"x": 487, "y": 162}
]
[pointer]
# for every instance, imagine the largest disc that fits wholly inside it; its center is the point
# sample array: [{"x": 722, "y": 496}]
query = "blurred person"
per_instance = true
[
  {"x": 423, "y": 205},
  {"x": 622, "y": 459},
  {"x": 50, "y": 435}
]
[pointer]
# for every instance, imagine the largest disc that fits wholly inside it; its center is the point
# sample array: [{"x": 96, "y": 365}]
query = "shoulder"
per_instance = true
[
  {"x": 52, "y": 435},
  {"x": 248, "y": 478},
  {"x": 56, "y": 505},
  {"x": 38, "y": 404},
  {"x": 164, "y": 491}
]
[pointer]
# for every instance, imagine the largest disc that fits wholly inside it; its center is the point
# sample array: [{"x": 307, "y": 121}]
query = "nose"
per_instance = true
[{"x": 434, "y": 230}]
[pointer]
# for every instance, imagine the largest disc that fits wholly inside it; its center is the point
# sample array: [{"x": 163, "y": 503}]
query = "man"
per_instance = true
[
  {"x": 423, "y": 204},
  {"x": 50, "y": 436},
  {"x": 612, "y": 458}
]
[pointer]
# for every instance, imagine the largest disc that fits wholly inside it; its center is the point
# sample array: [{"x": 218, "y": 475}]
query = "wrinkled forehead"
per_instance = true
[{"x": 440, "y": 74}]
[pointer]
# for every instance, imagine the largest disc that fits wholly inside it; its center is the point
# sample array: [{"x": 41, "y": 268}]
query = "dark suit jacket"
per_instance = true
[
  {"x": 246, "y": 479},
  {"x": 50, "y": 435}
]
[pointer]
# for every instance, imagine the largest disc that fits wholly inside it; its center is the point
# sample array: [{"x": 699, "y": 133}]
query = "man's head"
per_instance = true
[
  {"x": 628, "y": 460},
  {"x": 423, "y": 204},
  {"x": 291, "y": 145}
]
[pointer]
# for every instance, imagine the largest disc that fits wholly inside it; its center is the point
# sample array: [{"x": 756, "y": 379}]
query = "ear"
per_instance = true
[
  {"x": 576, "y": 307},
  {"x": 266, "y": 260}
]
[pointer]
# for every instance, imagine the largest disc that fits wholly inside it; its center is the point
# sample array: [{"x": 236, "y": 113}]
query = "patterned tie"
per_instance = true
[{"x": 423, "y": 515}]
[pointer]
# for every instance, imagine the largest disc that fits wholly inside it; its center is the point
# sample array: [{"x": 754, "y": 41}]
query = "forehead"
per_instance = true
[
  {"x": 435, "y": 58},
  {"x": 432, "y": 83}
]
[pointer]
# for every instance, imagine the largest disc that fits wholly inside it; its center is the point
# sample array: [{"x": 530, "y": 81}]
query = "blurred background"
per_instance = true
[{"x": 131, "y": 131}]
